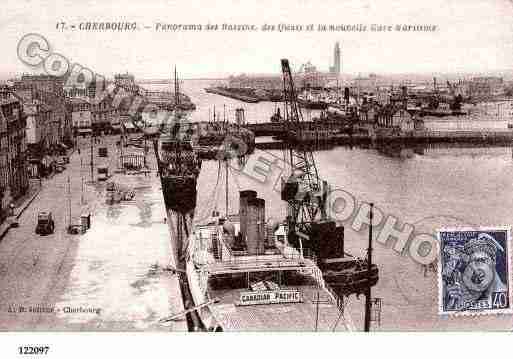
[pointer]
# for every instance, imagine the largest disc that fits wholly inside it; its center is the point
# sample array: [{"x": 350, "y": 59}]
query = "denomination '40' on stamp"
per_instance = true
[{"x": 474, "y": 272}]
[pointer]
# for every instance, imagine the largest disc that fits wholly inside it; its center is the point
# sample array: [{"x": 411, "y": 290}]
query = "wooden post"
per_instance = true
[
  {"x": 69, "y": 200},
  {"x": 92, "y": 155}
]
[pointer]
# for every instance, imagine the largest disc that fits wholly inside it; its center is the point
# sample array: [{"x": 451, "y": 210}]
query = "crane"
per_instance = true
[
  {"x": 308, "y": 224},
  {"x": 304, "y": 191},
  {"x": 307, "y": 220}
]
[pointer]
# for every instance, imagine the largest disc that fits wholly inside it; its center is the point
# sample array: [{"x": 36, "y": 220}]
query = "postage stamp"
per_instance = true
[{"x": 474, "y": 272}]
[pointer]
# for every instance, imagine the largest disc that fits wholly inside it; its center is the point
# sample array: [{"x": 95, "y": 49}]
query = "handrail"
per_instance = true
[{"x": 282, "y": 262}]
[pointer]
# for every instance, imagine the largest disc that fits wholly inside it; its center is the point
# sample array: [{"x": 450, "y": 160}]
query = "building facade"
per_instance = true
[
  {"x": 86, "y": 90},
  {"x": 14, "y": 176},
  {"x": 38, "y": 129},
  {"x": 103, "y": 114},
  {"x": 5, "y": 197},
  {"x": 75, "y": 91},
  {"x": 492, "y": 110},
  {"x": 365, "y": 85},
  {"x": 126, "y": 81},
  {"x": 80, "y": 110},
  {"x": 486, "y": 87},
  {"x": 49, "y": 90}
]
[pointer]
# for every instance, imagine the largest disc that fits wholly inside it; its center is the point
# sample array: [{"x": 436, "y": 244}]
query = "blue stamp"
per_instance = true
[{"x": 474, "y": 271}]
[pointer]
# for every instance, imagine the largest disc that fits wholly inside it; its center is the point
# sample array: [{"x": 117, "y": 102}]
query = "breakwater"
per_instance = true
[{"x": 237, "y": 95}]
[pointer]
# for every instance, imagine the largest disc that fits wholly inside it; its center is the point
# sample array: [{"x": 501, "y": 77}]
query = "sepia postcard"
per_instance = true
[{"x": 268, "y": 166}]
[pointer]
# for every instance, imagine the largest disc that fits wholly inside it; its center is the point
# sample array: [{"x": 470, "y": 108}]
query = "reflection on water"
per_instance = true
[
  {"x": 465, "y": 124},
  {"x": 400, "y": 150}
]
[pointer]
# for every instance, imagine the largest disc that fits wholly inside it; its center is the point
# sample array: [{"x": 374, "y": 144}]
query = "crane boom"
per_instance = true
[{"x": 303, "y": 191}]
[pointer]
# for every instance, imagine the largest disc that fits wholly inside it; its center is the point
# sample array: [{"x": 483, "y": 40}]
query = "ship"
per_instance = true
[
  {"x": 246, "y": 273},
  {"x": 178, "y": 163},
  {"x": 244, "y": 276},
  {"x": 179, "y": 167},
  {"x": 312, "y": 100}
]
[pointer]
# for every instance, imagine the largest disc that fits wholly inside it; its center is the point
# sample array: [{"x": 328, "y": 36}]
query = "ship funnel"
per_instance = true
[
  {"x": 239, "y": 117},
  {"x": 244, "y": 196},
  {"x": 255, "y": 226},
  {"x": 405, "y": 96}
]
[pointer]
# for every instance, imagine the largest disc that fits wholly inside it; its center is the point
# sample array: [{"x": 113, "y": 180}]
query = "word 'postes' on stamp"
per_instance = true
[{"x": 474, "y": 271}]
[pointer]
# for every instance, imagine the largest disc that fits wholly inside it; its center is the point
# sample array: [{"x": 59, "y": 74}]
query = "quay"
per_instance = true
[
  {"x": 232, "y": 94},
  {"x": 114, "y": 276},
  {"x": 366, "y": 135}
]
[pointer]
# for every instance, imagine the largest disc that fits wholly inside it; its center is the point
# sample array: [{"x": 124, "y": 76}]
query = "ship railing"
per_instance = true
[{"x": 266, "y": 261}]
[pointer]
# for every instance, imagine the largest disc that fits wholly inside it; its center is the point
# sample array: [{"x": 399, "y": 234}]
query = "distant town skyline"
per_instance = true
[{"x": 472, "y": 37}]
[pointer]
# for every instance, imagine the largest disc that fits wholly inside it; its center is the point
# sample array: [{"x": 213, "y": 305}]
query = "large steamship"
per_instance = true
[{"x": 244, "y": 276}]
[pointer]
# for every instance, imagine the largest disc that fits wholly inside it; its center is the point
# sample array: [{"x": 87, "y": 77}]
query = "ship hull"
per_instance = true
[
  {"x": 179, "y": 193},
  {"x": 313, "y": 105}
]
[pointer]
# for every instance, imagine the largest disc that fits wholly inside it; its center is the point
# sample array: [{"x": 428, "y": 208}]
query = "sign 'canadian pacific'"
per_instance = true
[{"x": 270, "y": 297}]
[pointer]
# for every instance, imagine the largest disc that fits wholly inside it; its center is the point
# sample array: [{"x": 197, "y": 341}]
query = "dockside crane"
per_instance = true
[
  {"x": 308, "y": 223},
  {"x": 304, "y": 191}
]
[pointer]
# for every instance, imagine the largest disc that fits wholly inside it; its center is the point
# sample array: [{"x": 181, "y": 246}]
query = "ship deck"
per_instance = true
[
  {"x": 309, "y": 315},
  {"x": 260, "y": 264},
  {"x": 253, "y": 289}
]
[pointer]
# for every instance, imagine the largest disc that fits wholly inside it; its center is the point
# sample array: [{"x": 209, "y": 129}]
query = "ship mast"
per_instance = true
[
  {"x": 175, "y": 129},
  {"x": 177, "y": 91}
]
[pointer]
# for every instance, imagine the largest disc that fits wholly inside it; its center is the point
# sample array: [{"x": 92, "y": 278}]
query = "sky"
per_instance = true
[{"x": 472, "y": 36}]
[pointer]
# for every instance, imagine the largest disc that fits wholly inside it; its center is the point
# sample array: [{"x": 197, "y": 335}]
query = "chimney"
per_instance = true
[
  {"x": 244, "y": 196},
  {"x": 239, "y": 116},
  {"x": 346, "y": 95},
  {"x": 255, "y": 226},
  {"x": 261, "y": 224},
  {"x": 405, "y": 97}
]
